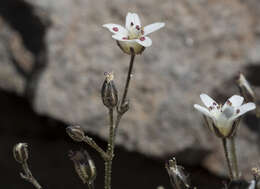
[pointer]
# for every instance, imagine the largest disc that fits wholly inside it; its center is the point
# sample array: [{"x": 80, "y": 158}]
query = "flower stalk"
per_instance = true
[
  {"x": 121, "y": 109},
  {"x": 234, "y": 158},
  {"x": 21, "y": 154},
  {"x": 228, "y": 159}
]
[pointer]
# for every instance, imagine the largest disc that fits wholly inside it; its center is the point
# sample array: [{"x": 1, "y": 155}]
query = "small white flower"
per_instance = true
[
  {"x": 224, "y": 119},
  {"x": 133, "y": 35}
]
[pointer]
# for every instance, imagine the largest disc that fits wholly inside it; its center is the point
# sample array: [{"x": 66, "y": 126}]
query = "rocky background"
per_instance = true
[{"x": 53, "y": 55}]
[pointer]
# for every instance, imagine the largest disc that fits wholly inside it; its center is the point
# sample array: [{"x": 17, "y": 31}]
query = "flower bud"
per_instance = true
[
  {"x": 20, "y": 152},
  {"x": 177, "y": 176},
  {"x": 109, "y": 91},
  {"x": 76, "y": 133},
  {"x": 245, "y": 88},
  {"x": 84, "y": 166}
]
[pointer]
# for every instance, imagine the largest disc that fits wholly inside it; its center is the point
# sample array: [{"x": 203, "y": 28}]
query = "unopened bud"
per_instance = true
[
  {"x": 176, "y": 173},
  {"x": 84, "y": 166},
  {"x": 20, "y": 152},
  {"x": 124, "y": 107},
  {"x": 245, "y": 88},
  {"x": 76, "y": 133},
  {"x": 109, "y": 91}
]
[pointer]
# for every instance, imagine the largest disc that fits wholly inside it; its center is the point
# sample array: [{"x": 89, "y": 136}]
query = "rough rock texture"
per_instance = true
[{"x": 201, "y": 49}]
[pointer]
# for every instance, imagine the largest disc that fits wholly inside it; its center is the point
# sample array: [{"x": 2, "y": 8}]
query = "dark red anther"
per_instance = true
[
  {"x": 115, "y": 29},
  {"x": 125, "y": 38},
  {"x": 137, "y": 27},
  {"x": 132, "y": 23},
  {"x": 214, "y": 103},
  {"x": 238, "y": 111},
  {"x": 142, "y": 38}
]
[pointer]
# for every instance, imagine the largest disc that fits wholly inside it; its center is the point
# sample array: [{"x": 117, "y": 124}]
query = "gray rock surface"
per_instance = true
[{"x": 202, "y": 48}]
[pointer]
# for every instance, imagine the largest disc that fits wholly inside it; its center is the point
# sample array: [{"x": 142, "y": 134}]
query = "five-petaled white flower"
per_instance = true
[
  {"x": 223, "y": 120},
  {"x": 133, "y": 35}
]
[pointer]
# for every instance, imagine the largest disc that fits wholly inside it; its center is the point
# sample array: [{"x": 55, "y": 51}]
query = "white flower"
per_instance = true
[
  {"x": 133, "y": 35},
  {"x": 224, "y": 119}
]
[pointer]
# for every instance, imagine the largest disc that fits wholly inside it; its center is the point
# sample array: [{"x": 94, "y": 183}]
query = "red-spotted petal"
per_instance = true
[
  {"x": 144, "y": 41},
  {"x": 129, "y": 20},
  {"x": 243, "y": 109},
  {"x": 136, "y": 18},
  {"x": 115, "y": 28},
  {"x": 120, "y": 37}
]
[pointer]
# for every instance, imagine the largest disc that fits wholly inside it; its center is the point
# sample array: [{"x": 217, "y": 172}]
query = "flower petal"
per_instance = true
[
  {"x": 235, "y": 101},
  {"x": 203, "y": 110},
  {"x": 153, "y": 27},
  {"x": 137, "y": 21},
  {"x": 208, "y": 101},
  {"x": 243, "y": 109},
  {"x": 120, "y": 37},
  {"x": 144, "y": 41},
  {"x": 117, "y": 29},
  {"x": 128, "y": 20}
]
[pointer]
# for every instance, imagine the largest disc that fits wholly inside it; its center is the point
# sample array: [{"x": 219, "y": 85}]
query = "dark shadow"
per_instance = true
[
  {"x": 252, "y": 73},
  {"x": 49, "y": 162}
]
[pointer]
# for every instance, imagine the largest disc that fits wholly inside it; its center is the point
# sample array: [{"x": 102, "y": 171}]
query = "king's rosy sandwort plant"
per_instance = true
[{"x": 223, "y": 120}]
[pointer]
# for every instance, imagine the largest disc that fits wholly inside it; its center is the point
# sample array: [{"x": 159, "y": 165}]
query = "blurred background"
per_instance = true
[{"x": 53, "y": 55}]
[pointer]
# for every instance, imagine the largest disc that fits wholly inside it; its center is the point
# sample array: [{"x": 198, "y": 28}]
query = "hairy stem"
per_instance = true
[
  {"x": 29, "y": 177},
  {"x": 110, "y": 151},
  {"x": 94, "y": 145},
  {"x": 91, "y": 185},
  {"x": 224, "y": 142},
  {"x": 113, "y": 126}
]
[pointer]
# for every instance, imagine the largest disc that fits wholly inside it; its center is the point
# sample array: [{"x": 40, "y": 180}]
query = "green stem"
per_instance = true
[
  {"x": 110, "y": 150},
  {"x": 91, "y": 185},
  {"x": 129, "y": 75},
  {"x": 94, "y": 145},
  {"x": 113, "y": 127},
  {"x": 224, "y": 142},
  {"x": 234, "y": 158}
]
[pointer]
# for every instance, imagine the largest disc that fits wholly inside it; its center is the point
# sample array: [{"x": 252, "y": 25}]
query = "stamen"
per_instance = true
[
  {"x": 142, "y": 38},
  {"x": 142, "y": 32},
  {"x": 229, "y": 103},
  {"x": 132, "y": 23},
  {"x": 210, "y": 108},
  {"x": 214, "y": 103},
  {"x": 137, "y": 27},
  {"x": 115, "y": 29},
  {"x": 237, "y": 111},
  {"x": 125, "y": 38}
]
